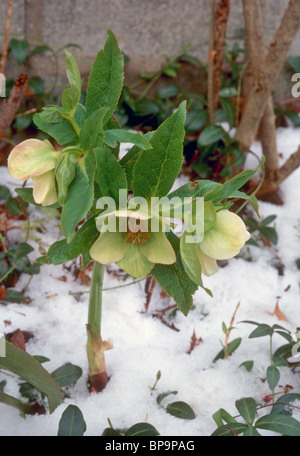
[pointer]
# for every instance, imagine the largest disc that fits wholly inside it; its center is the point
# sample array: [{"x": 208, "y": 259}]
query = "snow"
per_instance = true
[{"x": 143, "y": 345}]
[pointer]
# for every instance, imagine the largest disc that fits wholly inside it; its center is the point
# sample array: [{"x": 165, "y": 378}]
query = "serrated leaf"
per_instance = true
[
  {"x": 181, "y": 410},
  {"x": 157, "y": 169},
  {"x": 62, "y": 132},
  {"x": 72, "y": 423},
  {"x": 106, "y": 78},
  {"x": 174, "y": 280},
  {"x": 91, "y": 129},
  {"x": 111, "y": 175},
  {"x": 112, "y": 137},
  {"x": 79, "y": 200}
]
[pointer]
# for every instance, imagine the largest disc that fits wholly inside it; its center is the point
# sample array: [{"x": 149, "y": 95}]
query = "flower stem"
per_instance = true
[{"x": 95, "y": 345}]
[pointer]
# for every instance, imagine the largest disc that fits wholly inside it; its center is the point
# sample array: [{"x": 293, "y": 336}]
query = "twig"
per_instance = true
[
  {"x": 210, "y": 88},
  {"x": 11, "y": 106},
  {"x": 6, "y": 36}
]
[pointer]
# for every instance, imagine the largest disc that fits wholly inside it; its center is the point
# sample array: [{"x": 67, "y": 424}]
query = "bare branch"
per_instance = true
[
  {"x": 268, "y": 74},
  {"x": 6, "y": 36}
]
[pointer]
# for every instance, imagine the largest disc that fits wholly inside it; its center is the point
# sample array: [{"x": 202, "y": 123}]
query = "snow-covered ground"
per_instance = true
[{"x": 143, "y": 345}]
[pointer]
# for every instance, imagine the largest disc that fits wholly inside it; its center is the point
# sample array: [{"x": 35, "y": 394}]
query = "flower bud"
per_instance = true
[
  {"x": 31, "y": 158},
  {"x": 226, "y": 238}
]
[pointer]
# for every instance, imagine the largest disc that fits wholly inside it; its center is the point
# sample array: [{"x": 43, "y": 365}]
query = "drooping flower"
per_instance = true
[
  {"x": 36, "y": 159},
  {"x": 222, "y": 242},
  {"x": 136, "y": 249}
]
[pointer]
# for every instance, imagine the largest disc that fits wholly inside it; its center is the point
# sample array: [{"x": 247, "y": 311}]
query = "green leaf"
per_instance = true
[
  {"x": 174, "y": 280},
  {"x": 106, "y": 78},
  {"x": 67, "y": 375},
  {"x": 247, "y": 409},
  {"x": 157, "y": 169},
  {"x": 111, "y": 175},
  {"x": 112, "y": 137},
  {"x": 227, "y": 190},
  {"x": 294, "y": 62},
  {"x": 232, "y": 347},
  {"x": 248, "y": 365},
  {"x": 29, "y": 369},
  {"x": 73, "y": 74},
  {"x": 210, "y": 135},
  {"x": 91, "y": 129},
  {"x": 251, "y": 431},
  {"x": 229, "y": 111},
  {"x": 195, "y": 120},
  {"x": 273, "y": 376},
  {"x": 162, "y": 396},
  {"x": 79, "y": 200},
  {"x": 283, "y": 424},
  {"x": 269, "y": 233},
  {"x": 262, "y": 330},
  {"x": 146, "y": 108},
  {"x": 72, "y": 423},
  {"x": 221, "y": 415},
  {"x": 4, "y": 193},
  {"x": 19, "y": 49},
  {"x": 191, "y": 263},
  {"x": 64, "y": 174},
  {"x": 228, "y": 92},
  {"x": 284, "y": 401},
  {"x": 229, "y": 430},
  {"x": 13, "y": 296},
  {"x": 181, "y": 410},
  {"x": 62, "y": 132},
  {"x": 141, "y": 430},
  {"x": 130, "y": 159},
  {"x": 61, "y": 252},
  {"x": 168, "y": 91}
]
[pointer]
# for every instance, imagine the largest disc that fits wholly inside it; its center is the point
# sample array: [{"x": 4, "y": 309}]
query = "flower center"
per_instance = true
[{"x": 140, "y": 237}]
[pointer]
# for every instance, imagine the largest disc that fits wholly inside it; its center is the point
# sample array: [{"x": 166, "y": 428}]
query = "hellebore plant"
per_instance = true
[{"x": 114, "y": 210}]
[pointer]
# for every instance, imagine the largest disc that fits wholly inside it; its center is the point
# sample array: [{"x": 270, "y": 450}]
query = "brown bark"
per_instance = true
[
  {"x": 254, "y": 39},
  {"x": 267, "y": 76},
  {"x": 6, "y": 36},
  {"x": 278, "y": 176},
  {"x": 220, "y": 27},
  {"x": 10, "y": 107},
  {"x": 210, "y": 76}
]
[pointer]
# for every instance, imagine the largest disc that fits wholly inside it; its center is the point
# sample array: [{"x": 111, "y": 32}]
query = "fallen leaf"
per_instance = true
[
  {"x": 3, "y": 293},
  {"x": 278, "y": 313}
]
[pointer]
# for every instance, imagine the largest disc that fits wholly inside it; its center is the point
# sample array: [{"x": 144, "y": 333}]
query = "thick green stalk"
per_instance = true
[{"x": 95, "y": 345}]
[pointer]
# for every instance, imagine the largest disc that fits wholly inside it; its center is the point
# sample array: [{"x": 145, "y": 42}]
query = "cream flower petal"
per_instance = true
[
  {"x": 135, "y": 263},
  {"x": 31, "y": 158},
  {"x": 208, "y": 265},
  {"x": 109, "y": 248},
  {"x": 158, "y": 249},
  {"x": 226, "y": 238},
  {"x": 44, "y": 191}
]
